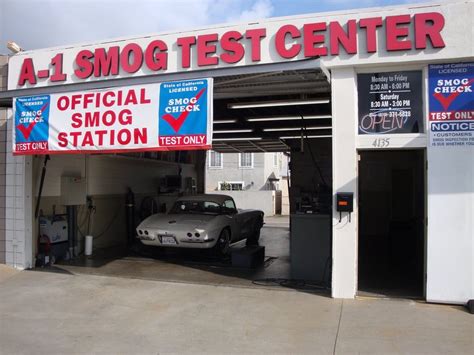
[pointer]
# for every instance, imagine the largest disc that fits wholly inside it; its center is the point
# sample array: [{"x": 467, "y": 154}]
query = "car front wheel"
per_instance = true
[{"x": 222, "y": 246}]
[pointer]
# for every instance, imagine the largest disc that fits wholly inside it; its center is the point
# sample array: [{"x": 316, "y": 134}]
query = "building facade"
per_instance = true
[
  {"x": 244, "y": 171},
  {"x": 392, "y": 89},
  {"x": 253, "y": 179}
]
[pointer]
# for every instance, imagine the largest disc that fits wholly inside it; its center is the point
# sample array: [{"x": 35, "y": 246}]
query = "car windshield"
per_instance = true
[{"x": 196, "y": 207}]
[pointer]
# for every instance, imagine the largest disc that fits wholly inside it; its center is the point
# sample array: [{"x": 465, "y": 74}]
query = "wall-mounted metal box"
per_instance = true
[{"x": 73, "y": 191}]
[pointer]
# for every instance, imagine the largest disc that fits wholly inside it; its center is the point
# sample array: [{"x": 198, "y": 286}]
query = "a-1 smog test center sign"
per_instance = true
[
  {"x": 451, "y": 115},
  {"x": 167, "y": 116}
]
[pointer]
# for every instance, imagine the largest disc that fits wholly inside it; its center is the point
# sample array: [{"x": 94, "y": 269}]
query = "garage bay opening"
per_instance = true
[
  {"x": 159, "y": 214},
  {"x": 392, "y": 222}
]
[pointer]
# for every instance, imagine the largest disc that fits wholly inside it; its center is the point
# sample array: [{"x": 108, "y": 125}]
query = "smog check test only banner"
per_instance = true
[
  {"x": 451, "y": 115},
  {"x": 166, "y": 116}
]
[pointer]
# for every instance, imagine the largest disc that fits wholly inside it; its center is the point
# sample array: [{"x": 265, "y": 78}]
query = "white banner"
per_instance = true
[{"x": 166, "y": 116}]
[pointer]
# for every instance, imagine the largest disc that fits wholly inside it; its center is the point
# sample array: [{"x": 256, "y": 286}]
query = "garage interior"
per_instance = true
[{"x": 278, "y": 111}]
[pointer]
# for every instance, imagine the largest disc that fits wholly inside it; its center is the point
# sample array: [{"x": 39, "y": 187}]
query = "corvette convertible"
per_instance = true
[{"x": 202, "y": 222}]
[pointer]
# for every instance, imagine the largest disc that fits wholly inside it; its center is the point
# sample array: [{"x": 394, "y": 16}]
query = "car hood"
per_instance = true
[{"x": 175, "y": 222}]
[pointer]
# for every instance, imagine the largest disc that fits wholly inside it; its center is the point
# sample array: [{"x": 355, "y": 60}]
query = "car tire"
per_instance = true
[{"x": 222, "y": 247}]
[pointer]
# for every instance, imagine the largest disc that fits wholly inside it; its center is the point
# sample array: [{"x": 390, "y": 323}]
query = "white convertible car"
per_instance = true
[{"x": 202, "y": 222}]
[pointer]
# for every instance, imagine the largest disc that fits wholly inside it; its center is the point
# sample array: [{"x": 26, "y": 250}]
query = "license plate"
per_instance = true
[{"x": 166, "y": 240}]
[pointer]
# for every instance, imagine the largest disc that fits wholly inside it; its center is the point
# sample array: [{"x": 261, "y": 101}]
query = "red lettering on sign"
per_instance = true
[
  {"x": 63, "y": 103},
  {"x": 185, "y": 43},
  {"x": 106, "y": 62},
  {"x": 88, "y": 99},
  {"x": 100, "y": 136},
  {"x": 339, "y": 36},
  {"x": 401, "y": 33},
  {"x": 156, "y": 57},
  {"x": 370, "y": 25},
  {"x": 90, "y": 138},
  {"x": 108, "y": 99},
  {"x": 27, "y": 72},
  {"x": 205, "y": 46},
  {"x": 62, "y": 139},
  {"x": 57, "y": 66},
  {"x": 87, "y": 140},
  {"x": 76, "y": 120},
  {"x": 75, "y": 100},
  {"x": 140, "y": 136},
  {"x": 280, "y": 41},
  {"x": 85, "y": 68},
  {"x": 131, "y": 58},
  {"x": 234, "y": 50},
  {"x": 429, "y": 25},
  {"x": 311, "y": 38},
  {"x": 394, "y": 32},
  {"x": 256, "y": 35},
  {"x": 91, "y": 119}
]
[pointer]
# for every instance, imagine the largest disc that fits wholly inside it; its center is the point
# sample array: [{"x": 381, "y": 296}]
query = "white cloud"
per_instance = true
[
  {"x": 260, "y": 9},
  {"x": 45, "y": 23}
]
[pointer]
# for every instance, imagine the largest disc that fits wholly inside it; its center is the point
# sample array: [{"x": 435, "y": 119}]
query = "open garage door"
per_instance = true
[{"x": 286, "y": 111}]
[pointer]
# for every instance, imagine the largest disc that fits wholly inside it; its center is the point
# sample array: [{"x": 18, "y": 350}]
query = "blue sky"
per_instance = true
[{"x": 45, "y": 23}]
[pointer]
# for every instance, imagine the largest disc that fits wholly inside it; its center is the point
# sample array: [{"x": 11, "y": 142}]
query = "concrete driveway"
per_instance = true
[{"x": 46, "y": 313}]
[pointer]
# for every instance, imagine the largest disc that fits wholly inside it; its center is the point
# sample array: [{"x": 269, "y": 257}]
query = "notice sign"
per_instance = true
[
  {"x": 166, "y": 116},
  {"x": 451, "y": 115},
  {"x": 390, "y": 102}
]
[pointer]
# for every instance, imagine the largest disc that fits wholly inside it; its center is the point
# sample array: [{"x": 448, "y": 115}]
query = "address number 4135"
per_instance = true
[{"x": 381, "y": 142}]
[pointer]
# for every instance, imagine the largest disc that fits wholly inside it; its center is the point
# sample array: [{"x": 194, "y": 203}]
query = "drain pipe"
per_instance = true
[
  {"x": 43, "y": 175},
  {"x": 72, "y": 229}
]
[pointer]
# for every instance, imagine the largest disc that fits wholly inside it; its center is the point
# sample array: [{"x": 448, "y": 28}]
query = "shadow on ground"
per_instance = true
[{"x": 196, "y": 266}]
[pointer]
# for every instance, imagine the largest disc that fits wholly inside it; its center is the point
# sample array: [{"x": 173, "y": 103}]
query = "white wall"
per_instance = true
[
  {"x": 108, "y": 178},
  {"x": 344, "y": 118},
  {"x": 108, "y": 175},
  {"x": 255, "y": 200},
  {"x": 18, "y": 206},
  {"x": 450, "y": 224}
]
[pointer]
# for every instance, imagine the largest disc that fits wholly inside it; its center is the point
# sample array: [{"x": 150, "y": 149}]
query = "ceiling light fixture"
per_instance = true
[
  {"x": 234, "y": 131},
  {"x": 288, "y": 118},
  {"x": 224, "y": 121},
  {"x": 294, "y": 128},
  {"x": 298, "y": 137},
  {"x": 237, "y": 139},
  {"x": 277, "y": 103}
]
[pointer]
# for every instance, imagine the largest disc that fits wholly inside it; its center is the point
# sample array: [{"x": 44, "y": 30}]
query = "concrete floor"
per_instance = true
[
  {"x": 53, "y": 313},
  {"x": 190, "y": 266}
]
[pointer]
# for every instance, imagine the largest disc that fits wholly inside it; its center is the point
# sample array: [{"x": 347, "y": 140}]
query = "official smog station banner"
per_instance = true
[
  {"x": 390, "y": 103},
  {"x": 451, "y": 114},
  {"x": 166, "y": 116}
]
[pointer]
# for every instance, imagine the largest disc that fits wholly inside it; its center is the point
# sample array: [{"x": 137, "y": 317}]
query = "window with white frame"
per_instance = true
[
  {"x": 276, "y": 160},
  {"x": 246, "y": 160},
  {"x": 231, "y": 185},
  {"x": 215, "y": 160}
]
